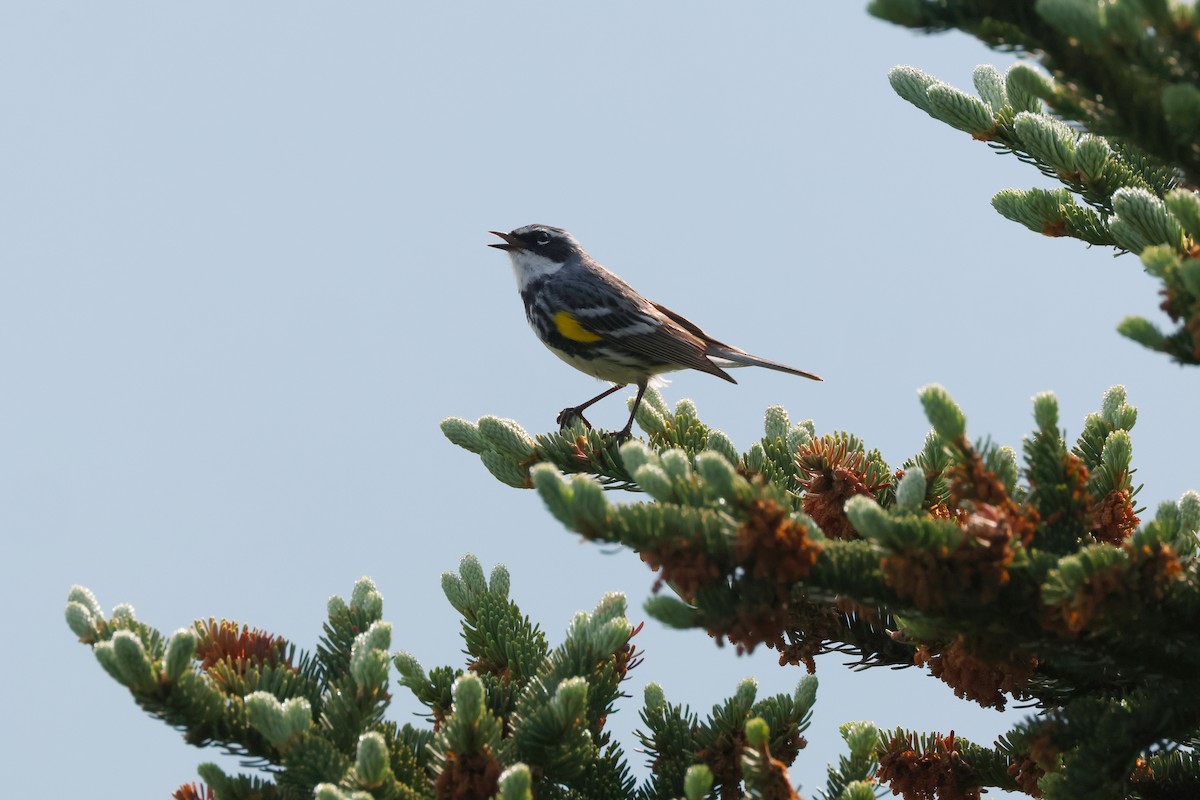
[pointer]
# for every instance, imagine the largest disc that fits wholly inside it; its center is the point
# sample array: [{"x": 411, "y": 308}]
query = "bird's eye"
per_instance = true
[{"x": 543, "y": 238}]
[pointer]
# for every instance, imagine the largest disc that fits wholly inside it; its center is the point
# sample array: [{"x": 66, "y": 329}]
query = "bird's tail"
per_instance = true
[{"x": 731, "y": 357}]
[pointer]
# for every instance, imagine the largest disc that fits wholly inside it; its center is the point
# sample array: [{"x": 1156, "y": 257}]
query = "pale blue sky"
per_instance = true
[{"x": 244, "y": 277}]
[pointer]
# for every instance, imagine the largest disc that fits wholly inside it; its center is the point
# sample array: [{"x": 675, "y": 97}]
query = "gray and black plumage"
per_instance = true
[{"x": 598, "y": 324}]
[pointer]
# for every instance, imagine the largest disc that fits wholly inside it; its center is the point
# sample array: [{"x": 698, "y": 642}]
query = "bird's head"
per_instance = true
[{"x": 538, "y": 250}]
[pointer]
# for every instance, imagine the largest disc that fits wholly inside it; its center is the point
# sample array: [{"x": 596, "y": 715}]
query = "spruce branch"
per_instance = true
[
  {"x": 521, "y": 719},
  {"x": 1034, "y": 581},
  {"x": 1124, "y": 70},
  {"x": 853, "y": 777},
  {"x": 1115, "y": 123}
]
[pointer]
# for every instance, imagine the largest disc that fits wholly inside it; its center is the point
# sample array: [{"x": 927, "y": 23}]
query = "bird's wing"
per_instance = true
[
  {"x": 609, "y": 308},
  {"x": 728, "y": 355},
  {"x": 688, "y": 326}
]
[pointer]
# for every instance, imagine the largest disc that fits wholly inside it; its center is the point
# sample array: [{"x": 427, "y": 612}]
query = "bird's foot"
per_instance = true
[
  {"x": 622, "y": 435},
  {"x": 565, "y": 417}
]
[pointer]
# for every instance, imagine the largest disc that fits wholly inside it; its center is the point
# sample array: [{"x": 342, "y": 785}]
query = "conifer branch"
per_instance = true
[
  {"x": 1032, "y": 581},
  {"x": 1126, "y": 80},
  {"x": 521, "y": 719},
  {"x": 1122, "y": 69}
]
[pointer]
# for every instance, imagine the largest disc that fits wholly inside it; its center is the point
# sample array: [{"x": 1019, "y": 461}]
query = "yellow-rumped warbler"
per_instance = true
[{"x": 598, "y": 324}]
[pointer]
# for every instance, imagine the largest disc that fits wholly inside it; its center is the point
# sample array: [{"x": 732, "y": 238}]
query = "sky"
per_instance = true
[{"x": 243, "y": 276}]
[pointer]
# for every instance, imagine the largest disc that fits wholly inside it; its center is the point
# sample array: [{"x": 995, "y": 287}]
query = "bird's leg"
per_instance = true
[
  {"x": 567, "y": 414},
  {"x": 627, "y": 431}
]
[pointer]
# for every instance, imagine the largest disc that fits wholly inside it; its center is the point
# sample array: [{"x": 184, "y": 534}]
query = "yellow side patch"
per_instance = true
[{"x": 570, "y": 328}]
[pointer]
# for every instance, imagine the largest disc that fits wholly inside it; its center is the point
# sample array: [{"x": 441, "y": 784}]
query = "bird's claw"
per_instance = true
[
  {"x": 567, "y": 414},
  {"x": 622, "y": 435}
]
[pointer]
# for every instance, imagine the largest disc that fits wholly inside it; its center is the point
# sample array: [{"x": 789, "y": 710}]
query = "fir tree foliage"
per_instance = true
[
  {"x": 1116, "y": 123},
  {"x": 1030, "y": 580},
  {"x": 522, "y": 719},
  {"x": 853, "y": 777}
]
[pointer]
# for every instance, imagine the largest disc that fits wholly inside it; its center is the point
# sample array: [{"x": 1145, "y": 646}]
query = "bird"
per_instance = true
[{"x": 600, "y": 325}]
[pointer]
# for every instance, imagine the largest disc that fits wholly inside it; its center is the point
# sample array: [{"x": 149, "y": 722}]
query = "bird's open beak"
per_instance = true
[{"x": 510, "y": 242}]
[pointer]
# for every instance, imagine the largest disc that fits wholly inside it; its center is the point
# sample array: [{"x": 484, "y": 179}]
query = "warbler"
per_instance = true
[{"x": 598, "y": 324}]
